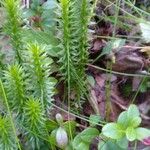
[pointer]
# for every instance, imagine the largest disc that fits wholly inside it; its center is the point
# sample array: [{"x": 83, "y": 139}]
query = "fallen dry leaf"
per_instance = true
[
  {"x": 97, "y": 45},
  {"x": 146, "y": 50},
  {"x": 128, "y": 60}
]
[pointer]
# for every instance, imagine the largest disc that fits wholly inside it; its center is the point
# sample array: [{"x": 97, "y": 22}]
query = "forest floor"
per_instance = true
[
  {"x": 118, "y": 70},
  {"x": 121, "y": 72}
]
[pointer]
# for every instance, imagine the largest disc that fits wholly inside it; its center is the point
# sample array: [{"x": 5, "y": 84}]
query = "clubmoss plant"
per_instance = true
[
  {"x": 73, "y": 28},
  {"x": 7, "y": 141},
  {"x": 12, "y": 138},
  {"x": 29, "y": 90},
  {"x": 13, "y": 25},
  {"x": 38, "y": 67},
  {"x": 15, "y": 87},
  {"x": 34, "y": 121}
]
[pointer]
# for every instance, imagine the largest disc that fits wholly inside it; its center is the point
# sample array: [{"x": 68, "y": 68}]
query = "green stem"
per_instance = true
[
  {"x": 139, "y": 88},
  {"x": 108, "y": 92},
  {"x": 109, "y": 65},
  {"x": 135, "y": 146},
  {"x": 119, "y": 73},
  {"x": 10, "y": 116},
  {"x": 101, "y": 124}
]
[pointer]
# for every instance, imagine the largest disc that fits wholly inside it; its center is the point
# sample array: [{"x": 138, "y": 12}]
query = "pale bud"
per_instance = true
[
  {"x": 61, "y": 137},
  {"x": 59, "y": 118}
]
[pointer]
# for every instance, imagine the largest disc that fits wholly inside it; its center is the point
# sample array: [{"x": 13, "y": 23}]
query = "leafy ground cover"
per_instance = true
[{"x": 74, "y": 75}]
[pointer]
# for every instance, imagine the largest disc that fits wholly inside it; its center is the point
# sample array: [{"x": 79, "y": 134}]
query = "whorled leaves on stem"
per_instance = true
[
  {"x": 73, "y": 31},
  {"x": 34, "y": 122},
  {"x": 7, "y": 141},
  {"x": 12, "y": 26},
  {"x": 38, "y": 68},
  {"x": 31, "y": 80},
  {"x": 14, "y": 84}
]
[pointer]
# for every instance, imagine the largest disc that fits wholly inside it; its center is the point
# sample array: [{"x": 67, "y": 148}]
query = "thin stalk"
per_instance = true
[
  {"x": 132, "y": 16},
  {"x": 135, "y": 146},
  {"x": 108, "y": 92},
  {"x": 139, "y": 89},
  {"x": 117, "y": 37},
  {"x": 84, "y": 118},
  {"x": 109, "y": 66},
  {"x": 137, "y": 9},
  {"x": 120, "y": 73},
  {"x": 10, "y": 116}
]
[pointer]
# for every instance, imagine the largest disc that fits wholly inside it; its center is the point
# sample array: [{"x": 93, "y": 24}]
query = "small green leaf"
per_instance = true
[
  {"x": 112, "y": 45},
  {"x": 78, "y": 144},
  {"x": 123, "y": 120},
  {"x": 118, "y": 43},
  {"x": 129, "y": 117},
  {"x": 133, "y": 111},
  {"x": 131, "y": 134},
  {"x": 83, "y": 139},
  {"x": 81, "y": 146},
  {"x": 109, "y": 145},
  {"x": 107, "y": 49},
  {"x": 133, "y": 116},
  {"x": 102, "y": 145},
  {"x": 91, "y": 80},
  {"x": 142, "y": 133},
  {"x": 88, "y": 134},
  {"x": 94, "y": 119},
  {"x": 135, "y": 122},
  {"x": 123, "y": 143},
  {"x": 113, "y": 130}
]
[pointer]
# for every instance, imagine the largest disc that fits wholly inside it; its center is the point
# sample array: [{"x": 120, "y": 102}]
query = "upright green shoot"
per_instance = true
[{"x": 13, "y": 25}]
